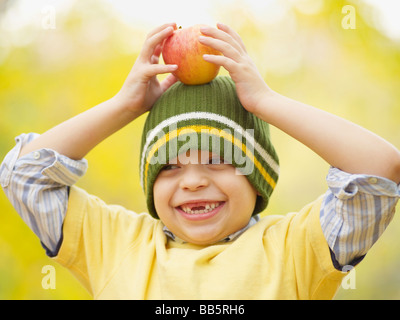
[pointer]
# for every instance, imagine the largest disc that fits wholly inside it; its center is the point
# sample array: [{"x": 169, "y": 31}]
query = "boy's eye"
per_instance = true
[
  {"x": 216, "y": 160},
  {"x": 170, "y": 167}
]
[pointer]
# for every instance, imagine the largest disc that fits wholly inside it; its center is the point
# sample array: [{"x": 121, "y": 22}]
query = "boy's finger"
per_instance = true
[
  {"x": 222, "y": 61},
  {"x": 160, "y": 28},
  {"x": 155, "y": 69},
  {"x": 221, "y": 35},
  {"x": 224, "y": 47},
  {"x": 168, "y": 81},
  {"x": 232, "y": 33},
  {"x": 154, "y": 59},
  {"x": 157, "y": 50},
  {"x": 152, "y": 42}
]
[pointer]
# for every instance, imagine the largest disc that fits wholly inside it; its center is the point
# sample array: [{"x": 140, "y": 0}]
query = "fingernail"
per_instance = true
[{"x": 220, "y": 25}]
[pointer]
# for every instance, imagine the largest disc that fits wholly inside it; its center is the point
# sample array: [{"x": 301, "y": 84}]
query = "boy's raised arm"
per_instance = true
[
  {"x": 39, "y": 190},
  {"x": 341, "y": 143},
  {"x": 75, "y": 137}
]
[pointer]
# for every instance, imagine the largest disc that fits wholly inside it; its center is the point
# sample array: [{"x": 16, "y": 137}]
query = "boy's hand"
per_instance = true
[
  {"x": 250, "y": 85},
  {"x": 142, "y": 88}
]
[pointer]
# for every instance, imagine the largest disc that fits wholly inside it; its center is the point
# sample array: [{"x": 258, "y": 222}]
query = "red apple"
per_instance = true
[{"x": 184, "y": 49}]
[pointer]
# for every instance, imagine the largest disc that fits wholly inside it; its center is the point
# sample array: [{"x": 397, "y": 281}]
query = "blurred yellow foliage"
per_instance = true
[{"x": 302, "y": 51}]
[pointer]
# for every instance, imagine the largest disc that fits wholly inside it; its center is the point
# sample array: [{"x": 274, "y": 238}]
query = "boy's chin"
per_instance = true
[{"x": 203, "y": 240}]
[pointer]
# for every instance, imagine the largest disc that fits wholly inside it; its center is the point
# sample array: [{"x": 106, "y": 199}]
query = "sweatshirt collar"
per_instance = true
[{"x": 231, "y": 237}]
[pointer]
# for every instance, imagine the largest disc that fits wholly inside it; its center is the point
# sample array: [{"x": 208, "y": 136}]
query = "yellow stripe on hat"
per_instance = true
[{"x": 221, "y": 133}]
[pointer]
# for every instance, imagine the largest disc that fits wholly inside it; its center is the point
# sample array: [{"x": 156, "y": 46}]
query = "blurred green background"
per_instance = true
[{"x": 59, "y": 58}]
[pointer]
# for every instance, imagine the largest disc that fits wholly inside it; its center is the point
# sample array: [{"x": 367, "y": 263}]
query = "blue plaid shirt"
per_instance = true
[{"x": 356, "y": 208}]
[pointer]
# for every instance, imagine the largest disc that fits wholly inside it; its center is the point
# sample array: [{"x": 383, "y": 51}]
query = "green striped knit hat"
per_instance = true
[{"x": 208, "y": 117}]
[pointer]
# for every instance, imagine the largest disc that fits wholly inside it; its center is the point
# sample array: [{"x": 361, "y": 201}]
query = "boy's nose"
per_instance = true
[{"x": 194, "y": 178}]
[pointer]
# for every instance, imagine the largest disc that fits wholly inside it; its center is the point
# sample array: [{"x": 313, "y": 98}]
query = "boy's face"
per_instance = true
[{"x": 201, "y": 202}]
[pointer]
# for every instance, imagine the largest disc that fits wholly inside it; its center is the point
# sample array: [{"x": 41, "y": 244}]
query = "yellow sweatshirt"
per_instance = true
[{"x": 119, "y": 254}]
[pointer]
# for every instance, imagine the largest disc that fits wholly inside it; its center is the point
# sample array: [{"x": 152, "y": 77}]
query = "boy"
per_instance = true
[{"x": 205, "y": 239}]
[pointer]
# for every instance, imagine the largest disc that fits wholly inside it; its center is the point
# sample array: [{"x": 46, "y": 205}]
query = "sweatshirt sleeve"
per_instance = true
[{"x": 37, "y": 185}]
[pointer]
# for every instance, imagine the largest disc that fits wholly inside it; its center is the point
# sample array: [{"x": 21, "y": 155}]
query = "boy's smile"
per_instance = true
[
  {"x": 203, "y": 202},
  {"x": 197, "y": 210}
]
